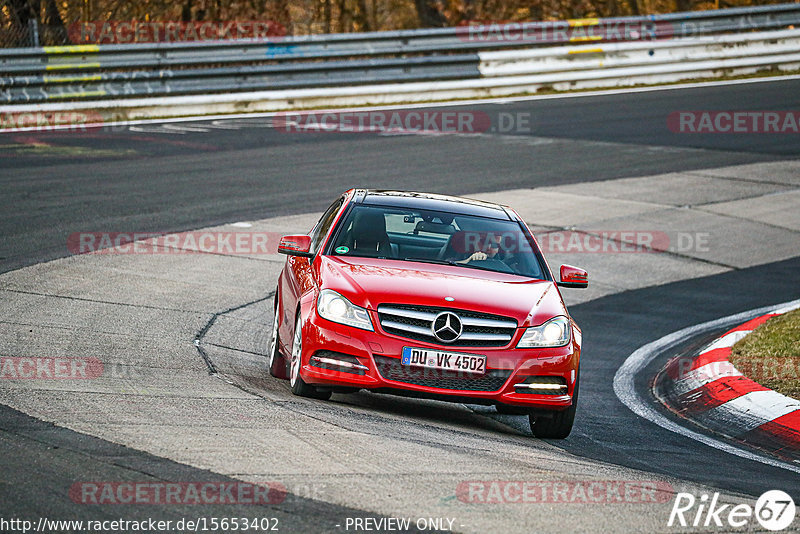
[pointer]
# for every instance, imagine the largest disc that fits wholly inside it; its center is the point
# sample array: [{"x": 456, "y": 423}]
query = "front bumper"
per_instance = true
[{"x": 380, "y": 353}]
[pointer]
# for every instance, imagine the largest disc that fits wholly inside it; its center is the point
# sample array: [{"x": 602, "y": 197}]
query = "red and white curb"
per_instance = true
[{"x": 708, "y": 390}]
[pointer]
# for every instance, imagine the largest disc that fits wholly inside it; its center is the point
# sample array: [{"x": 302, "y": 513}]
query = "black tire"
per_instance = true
[
  {"x": 560, "y": 424},
  {"x": 276, "y": 362},
  {"x": 299, "y": 387}
]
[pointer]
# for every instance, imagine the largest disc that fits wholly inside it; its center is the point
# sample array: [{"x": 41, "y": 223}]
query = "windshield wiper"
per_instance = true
[
  {"x": 486, "y": 268},
  {"x": 459, "y": 264},
  {"x": 432, "y": 260}
]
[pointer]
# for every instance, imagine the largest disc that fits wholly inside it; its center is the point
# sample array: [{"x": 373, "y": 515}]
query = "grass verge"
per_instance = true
[{"x": 770, "y": 355}]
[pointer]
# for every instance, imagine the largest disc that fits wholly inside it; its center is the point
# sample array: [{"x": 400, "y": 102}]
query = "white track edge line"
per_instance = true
[{"x": 636, "y": 362}]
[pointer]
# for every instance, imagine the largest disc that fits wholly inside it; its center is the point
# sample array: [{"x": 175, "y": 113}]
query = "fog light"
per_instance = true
[
  {"x": 542, "y": 385},
  {"x": 336, "y": 361}
]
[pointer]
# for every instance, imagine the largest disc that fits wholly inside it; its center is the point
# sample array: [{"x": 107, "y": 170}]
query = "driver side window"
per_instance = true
[{"x": 324, "y": 224}]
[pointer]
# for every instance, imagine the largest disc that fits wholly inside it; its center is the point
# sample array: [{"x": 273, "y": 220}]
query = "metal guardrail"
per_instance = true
[
  {"x": 156, "y": 69},
  {"x": 51, "y": 87},
  {"x": 627, "y": 63},
  {"x": 755, "y": 48}
]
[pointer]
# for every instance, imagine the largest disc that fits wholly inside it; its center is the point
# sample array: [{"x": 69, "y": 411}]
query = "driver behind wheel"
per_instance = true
[{"x": 489, "y": 252}]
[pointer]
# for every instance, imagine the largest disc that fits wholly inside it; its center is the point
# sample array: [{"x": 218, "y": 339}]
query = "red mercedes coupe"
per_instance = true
[{"x": 429, "y": 296}]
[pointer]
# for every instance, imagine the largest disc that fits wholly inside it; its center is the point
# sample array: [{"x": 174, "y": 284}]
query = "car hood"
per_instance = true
[{"x": 369, "y": 282}]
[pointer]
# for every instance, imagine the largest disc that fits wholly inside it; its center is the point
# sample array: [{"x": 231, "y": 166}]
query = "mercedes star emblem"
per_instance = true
[{"x": 447, "y": 327}]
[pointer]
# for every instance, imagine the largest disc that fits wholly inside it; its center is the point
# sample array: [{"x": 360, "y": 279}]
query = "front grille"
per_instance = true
[
  {"x": 414, "y": 322},
  {"x": 392, "y": 369}
]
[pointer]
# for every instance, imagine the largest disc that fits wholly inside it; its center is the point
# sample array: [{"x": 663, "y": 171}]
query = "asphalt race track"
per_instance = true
[
  {"x": 188, "y": 175},
  {"x": 164, "y": 183},
  {"x": 643, "y": 445}
]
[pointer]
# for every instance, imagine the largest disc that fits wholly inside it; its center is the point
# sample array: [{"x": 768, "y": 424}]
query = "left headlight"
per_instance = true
[
  {"x": 553, "y": 333},
  {"x": 334, "y": 307}
]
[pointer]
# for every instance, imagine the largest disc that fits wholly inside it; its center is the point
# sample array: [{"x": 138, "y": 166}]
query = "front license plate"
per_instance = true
[{"x": 449, "y": 361}]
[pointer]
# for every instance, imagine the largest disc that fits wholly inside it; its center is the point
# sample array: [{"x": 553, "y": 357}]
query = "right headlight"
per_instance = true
[
  {"x": 553, "y": 333},
  {"x": 334, "y": 307}
]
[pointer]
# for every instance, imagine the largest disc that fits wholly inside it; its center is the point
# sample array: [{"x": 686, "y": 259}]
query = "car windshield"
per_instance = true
[{"x": 409, "y": 234}]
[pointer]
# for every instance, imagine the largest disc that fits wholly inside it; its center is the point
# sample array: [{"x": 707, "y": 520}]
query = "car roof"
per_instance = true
[{"x": 434, "y": 202}]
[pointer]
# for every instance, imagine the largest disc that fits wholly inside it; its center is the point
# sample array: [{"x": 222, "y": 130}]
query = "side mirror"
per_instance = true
[
  {"x": 295, "y": 245},
  {"x": 573, "y": 277}
]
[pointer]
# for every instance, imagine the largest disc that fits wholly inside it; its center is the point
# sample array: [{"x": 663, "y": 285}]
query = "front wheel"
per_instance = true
[
  {"x": 299, "y": 387},
  {"x": 559, "y": 425}
]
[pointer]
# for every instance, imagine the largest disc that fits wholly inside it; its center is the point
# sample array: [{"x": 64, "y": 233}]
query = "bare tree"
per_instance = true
[
  {"x": 54, "y": 24},
  {"x": 430, "y": 14},
  {"x": 316, "y": 16},
  {"x": 21, "y": 13}
]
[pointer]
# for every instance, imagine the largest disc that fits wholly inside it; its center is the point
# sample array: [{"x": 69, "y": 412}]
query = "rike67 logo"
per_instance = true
[{"x": 774, "y": 511}]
